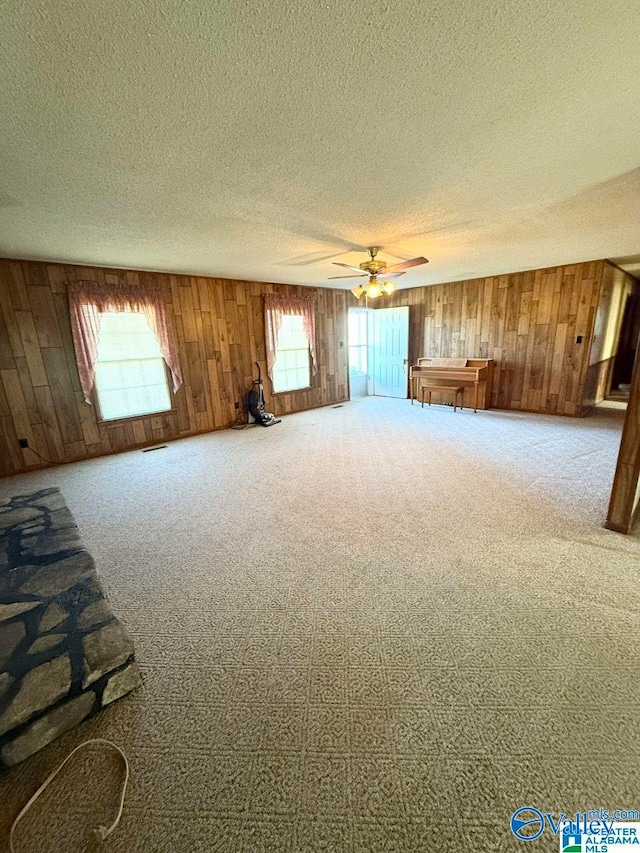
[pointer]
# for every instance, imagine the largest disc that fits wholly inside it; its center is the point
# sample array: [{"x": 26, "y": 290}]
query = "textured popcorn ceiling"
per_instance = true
[{"x": 249, "y": 138}]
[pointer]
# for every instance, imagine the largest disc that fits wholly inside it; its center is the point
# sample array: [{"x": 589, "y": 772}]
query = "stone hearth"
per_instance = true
[{"x": 63, "y": 653}]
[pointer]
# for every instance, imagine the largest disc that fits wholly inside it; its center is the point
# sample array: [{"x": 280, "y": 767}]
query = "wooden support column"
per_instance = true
[{"x": 625, "y": 495}]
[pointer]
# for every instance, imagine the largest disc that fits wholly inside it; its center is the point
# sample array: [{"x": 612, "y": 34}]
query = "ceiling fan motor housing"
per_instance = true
[{"x": 373, "y": 267}]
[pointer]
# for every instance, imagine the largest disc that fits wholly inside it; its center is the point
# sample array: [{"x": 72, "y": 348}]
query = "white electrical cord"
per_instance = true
[{"x": 101, "y": 832}]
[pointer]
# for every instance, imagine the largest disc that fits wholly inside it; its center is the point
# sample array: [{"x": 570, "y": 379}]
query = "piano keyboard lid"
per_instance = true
[{"x": 442, "y": 362}]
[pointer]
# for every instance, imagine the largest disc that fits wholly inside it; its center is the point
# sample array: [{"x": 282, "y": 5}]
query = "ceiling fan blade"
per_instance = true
[
  {"x": 385, "y": 274},
  {"x": 405, "y": 265},
  {"x": 402, "y": 255},
  {"x": 312, "y": 258},
  {"x": 356, "y": 275},
  {"x": 347, "y": 266}
]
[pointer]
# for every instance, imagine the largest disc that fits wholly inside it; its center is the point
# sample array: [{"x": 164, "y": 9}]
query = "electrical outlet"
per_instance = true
[{"x": 23, "y": 442}]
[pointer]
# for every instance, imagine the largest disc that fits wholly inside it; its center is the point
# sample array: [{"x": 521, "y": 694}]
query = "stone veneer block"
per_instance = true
[
  {"x": 123, "y": 682},
  {"x": 53, "y": 615},
  {"x": 63, "y": 653},
  {"x": 104, "y": 649},
  {"x": 47, "y": 728},
  {"x": 38, "y": 688},
  {"x": 11, "y": 633}
]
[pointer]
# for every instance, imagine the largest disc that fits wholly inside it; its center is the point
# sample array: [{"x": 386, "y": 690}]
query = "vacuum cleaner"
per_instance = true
[{"x": 255, "y": 403}]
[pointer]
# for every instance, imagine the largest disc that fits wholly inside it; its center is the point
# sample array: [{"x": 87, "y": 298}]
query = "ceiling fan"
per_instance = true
[{"x": 375, "y": 269}]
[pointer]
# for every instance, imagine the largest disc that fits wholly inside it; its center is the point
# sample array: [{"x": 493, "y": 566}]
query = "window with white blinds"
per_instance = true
[
  {"x": 291, "y": 368},
  {"x": 130, "y": 374}
]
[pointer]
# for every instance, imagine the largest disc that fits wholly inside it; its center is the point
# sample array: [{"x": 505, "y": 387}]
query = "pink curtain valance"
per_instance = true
[
  {"x": 275, "y": 308},
  {"x": 88, "y": 300}
]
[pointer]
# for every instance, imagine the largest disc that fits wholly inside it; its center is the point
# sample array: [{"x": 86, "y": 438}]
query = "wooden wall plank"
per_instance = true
[
  {"x": 31, "y": 345},
  {"x": 9, "y": 312},
  {"x": 7, "y": 359},
  {"x": 45, "y": 319},
  {"x": 17, "y": 285},
  {"x": 63, "y": 394},
  {"x": 21, "y": 422},
  {"x": 28, "y": 390},
  {"x": 48, "y": 414}
]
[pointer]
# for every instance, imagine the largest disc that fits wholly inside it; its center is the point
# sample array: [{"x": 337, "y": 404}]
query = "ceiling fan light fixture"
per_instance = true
[{"x": 373, "y": 288}]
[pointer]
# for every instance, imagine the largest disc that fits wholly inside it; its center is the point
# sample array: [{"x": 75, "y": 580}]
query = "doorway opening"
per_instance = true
[
  {"x": 614, "y": 340},
  {"x": 379, "y": 352},
  {"x": 627, "y": 348},
  {"x": 359, "y": 321}
]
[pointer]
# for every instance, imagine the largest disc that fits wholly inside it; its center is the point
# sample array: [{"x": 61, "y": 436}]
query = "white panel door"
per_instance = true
[{"x": 390, "y": 352}]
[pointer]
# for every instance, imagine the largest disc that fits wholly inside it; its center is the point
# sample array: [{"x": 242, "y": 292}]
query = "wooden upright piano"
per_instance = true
[{"x": 476, "y": 374}]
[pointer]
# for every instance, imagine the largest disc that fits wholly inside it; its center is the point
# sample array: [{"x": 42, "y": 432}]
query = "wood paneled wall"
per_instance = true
[
  {"x": 220, "y": 329},
  {"x": 528, "y": 322}
]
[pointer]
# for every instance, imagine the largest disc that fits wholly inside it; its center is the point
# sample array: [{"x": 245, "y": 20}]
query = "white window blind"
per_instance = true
[
  {"x": 291, "y": 369},
  {"x": 130, "y": 373}
]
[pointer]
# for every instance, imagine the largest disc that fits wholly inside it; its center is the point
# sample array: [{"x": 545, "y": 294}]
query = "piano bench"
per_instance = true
[{"x": 456, "y": 389}]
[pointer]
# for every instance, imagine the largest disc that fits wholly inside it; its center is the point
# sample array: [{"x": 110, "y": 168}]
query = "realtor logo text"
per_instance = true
[{"x": 528, "y": 823}]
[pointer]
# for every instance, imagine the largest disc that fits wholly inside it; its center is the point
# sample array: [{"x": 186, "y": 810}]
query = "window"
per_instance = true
[
  {"x": 358, "y": 341},
  {"x": 291, "y": 367},
  {"x": 130, "y": 374}
]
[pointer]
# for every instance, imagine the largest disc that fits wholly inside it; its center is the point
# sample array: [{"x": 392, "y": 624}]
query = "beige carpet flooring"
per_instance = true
[{"x": 372, "y": 628}]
